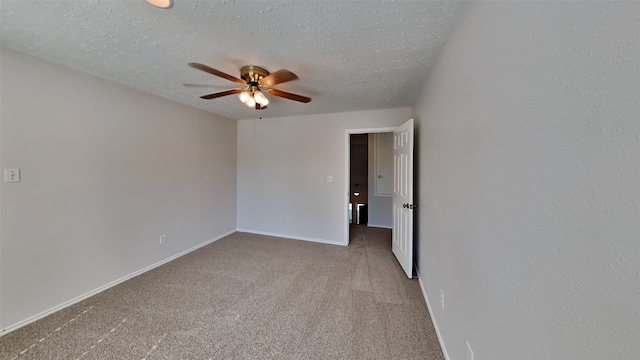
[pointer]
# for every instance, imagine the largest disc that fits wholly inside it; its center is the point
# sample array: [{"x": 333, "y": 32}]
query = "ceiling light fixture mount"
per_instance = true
[
  {"x": 252, "y": 73},
  {"x": 163, "y": 4}
]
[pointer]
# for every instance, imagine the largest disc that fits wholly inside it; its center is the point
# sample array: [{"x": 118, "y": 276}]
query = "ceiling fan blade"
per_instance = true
[
  {"x": 278, "y": 77},
  {"x": 220, "y": 94},
  {"x": 206, "y": 86},
  {"x": 215, "y": 72},
  {"x": 287, "y": 95}
]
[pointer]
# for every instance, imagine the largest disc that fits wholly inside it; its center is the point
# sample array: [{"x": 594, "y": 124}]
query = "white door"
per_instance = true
[{"x": 402, "y": 234}]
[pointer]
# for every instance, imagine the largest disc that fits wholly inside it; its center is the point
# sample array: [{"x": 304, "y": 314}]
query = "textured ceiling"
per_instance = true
[{"x": 349, "y": 55}]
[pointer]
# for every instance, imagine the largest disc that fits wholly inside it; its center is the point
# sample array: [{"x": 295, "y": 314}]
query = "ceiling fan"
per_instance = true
[{"x": 254, "y": 80}]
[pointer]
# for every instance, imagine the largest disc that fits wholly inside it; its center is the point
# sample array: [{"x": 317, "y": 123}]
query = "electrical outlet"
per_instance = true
[
  {"x": 442, "y": 298},
  {"x": 163, "y": 239},
  {"x": 288, "y": 219},
  {"x": 469, "y": 352},
  {"x": 11, "y": 175}
]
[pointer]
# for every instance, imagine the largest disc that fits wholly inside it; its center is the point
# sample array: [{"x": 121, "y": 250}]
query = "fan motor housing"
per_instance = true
[{"x": 252, "y": 73}]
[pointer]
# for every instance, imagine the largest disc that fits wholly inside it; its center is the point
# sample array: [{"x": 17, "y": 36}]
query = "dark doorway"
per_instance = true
[{"x": 358, "y": 179}]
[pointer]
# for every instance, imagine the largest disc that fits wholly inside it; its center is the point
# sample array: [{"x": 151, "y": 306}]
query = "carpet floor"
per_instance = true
[{"x": 248, "y": 296}]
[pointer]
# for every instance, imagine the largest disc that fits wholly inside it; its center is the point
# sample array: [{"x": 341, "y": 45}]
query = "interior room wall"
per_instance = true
[
  {"x": 530, "y": 182},
  {"x": 283, "y": 164},
  {"x": 105, "y": 170},
  {"x": 381, "y": 163}
]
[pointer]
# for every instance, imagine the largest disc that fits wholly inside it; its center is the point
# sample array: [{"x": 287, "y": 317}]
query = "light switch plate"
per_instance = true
[
  {"x": 11, "y": 175},
  {"x": 329, "y": 178}
]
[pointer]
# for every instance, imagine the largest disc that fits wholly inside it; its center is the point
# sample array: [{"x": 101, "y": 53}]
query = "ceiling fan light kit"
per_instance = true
[
  {"x": 256, "y": 80},
  {"x": 163, "y": 4}
]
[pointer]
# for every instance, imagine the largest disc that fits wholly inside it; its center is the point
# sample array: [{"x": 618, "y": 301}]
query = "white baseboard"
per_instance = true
[
  {"x": 379, "y": 226},
  {"x": 322, "y": 241},
  {"x": 431, "y": 314},
  {"x": 73, "y": 301}
]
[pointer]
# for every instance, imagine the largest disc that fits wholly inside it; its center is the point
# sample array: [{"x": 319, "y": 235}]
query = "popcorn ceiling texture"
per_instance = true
[
  {"x": 349, "y": 55},
  {"x": 529, "y": 175}
]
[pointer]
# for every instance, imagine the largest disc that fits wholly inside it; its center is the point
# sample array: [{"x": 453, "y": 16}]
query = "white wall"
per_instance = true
[
  {"x": 529, "y": 172},
  {"x": 105, "y": 170},
  {"x": 381, "y": 205},
  {"x": 283, "y": 164}
]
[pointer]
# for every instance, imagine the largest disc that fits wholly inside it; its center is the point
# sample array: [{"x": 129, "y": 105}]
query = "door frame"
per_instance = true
[{"x": 347, "y": 169}]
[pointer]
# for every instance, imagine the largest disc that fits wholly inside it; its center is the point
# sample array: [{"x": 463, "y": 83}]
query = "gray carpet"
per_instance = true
[{"x": 248, "y": 297}]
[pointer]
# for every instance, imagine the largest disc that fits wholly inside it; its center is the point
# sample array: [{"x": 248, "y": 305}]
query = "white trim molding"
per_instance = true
[
  {"x": 89, "y": 294},
  {"x": 432, "y": 315},
  {"x": 380, "y": 226},
  {"x": 292, "y": 237}
]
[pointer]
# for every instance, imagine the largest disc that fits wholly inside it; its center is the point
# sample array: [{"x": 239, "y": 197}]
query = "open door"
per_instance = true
[{"x": 402, "y": 235}]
